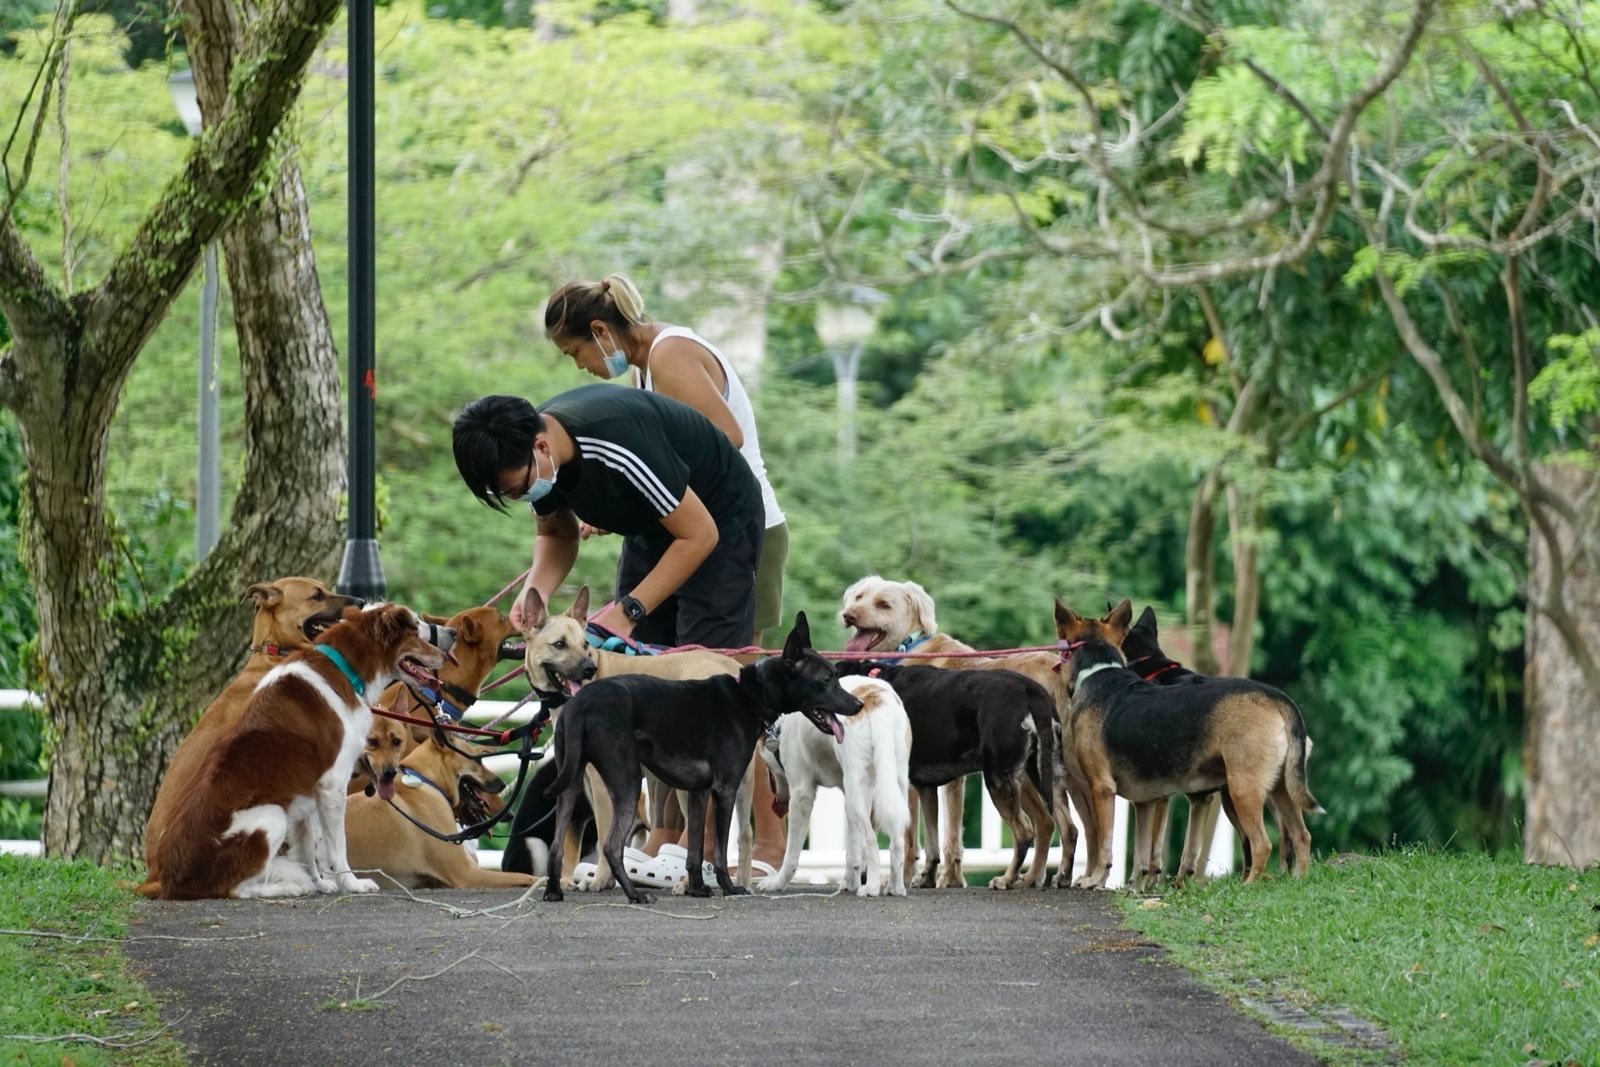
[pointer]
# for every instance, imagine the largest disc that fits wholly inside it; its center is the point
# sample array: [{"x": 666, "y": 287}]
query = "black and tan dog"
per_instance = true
[
  {"x": 696, "y": 736},
  {"x": 998, "y": 722},
  {"x": 1147, "y": 742},
  {"x": 1142, "y": 648}
]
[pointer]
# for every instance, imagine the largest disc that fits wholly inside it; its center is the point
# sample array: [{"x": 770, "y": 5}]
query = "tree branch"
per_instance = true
[{"x": 221, "y": 179}]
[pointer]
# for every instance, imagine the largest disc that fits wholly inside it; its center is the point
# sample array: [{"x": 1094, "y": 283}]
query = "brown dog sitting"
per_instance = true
[
  {"x": 439, "y": 784},
  {"x": 290, "y": 613}
]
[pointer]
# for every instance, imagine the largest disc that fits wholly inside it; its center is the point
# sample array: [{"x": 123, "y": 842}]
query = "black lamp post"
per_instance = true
[{"x": 361, "y": 573}]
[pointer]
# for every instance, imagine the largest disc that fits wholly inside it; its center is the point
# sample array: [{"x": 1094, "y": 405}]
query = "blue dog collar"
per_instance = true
[{"x": 344, "y": 668}]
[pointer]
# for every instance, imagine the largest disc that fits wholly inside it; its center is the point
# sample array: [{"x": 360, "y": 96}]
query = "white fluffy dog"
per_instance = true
[{"x": 870, "y": 765}]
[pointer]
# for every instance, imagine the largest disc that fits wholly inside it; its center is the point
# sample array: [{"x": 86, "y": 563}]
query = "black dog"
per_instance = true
[
  {"x": 696, "y": 736},
  {"x": 995, "y": 721},
  {"x": 535, "y": 819}
]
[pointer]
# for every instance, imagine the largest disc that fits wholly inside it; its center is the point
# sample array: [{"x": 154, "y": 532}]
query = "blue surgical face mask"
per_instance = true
[
  {"x": 540, "y": 487},
  {"x": 616, "y": 360}
]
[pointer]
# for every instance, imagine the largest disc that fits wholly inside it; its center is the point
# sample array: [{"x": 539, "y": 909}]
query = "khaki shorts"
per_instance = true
[{"x": 769, "y": 578}]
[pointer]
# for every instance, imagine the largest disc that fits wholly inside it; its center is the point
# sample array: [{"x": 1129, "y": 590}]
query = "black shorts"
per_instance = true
[{"x": 716, "y": 607}]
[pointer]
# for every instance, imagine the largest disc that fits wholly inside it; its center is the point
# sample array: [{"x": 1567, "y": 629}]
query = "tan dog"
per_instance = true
[
  {"x": 290, "y": 613},
  {"x": 480, "y": 643},
  {"x": 559, "y": 659},
  {"x": 888, "y": 617},
  {"x": 1148, "y": 742},
  {"x": 439, "y": 787}
]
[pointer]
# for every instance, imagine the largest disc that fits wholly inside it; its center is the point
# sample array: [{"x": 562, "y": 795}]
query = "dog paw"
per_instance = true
[
  {"x": 950, "y": 877},
  {"x": 1000, "y": 881},
  {"x": 326, "y": 885},
  {"x": 553, "y": 893},
  {"x": 351, "y": 884},
  {"x": 645, "y": 898},
  {"x": 697, "y": 890},
  {"x": 736, "y": 890},
  {"x": 771, "y": 884}
]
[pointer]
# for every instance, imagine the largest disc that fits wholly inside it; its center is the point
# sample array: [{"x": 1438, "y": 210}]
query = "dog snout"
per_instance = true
[
  {"x": 855, "y": 704},
  {"x": 588, "y": 670},
  {"x": 441, "y": 637},
  {"x": 848, "y": 618}
]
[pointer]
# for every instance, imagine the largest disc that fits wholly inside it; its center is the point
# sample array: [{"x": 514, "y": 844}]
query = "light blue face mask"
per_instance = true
[
  {"x": 540, "y": 487},
  {"x": 616, "y": 360}
]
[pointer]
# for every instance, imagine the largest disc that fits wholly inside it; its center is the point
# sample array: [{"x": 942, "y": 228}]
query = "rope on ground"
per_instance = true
[
  {"x": 105, "y": 1042},
  {"x": 647, "y": 910},
  {"x": 124, "y": 940}
]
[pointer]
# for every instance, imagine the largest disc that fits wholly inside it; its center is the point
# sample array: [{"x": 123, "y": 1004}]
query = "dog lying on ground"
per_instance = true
[
  {"x": 696, "y": 736},
  {"x": 870, "y": 765},
  {"x": 440, "y": 784},
  {"x": 996, "y": 722},
  {"x": 889, "y": 617},
  {"x": 1148, "y": 742},
  {"x": 560, "y": 661},
  {"x": 290, "y": 613},
  {"x": 481, "y": 642},
  {"x": 282, "y": 769}
]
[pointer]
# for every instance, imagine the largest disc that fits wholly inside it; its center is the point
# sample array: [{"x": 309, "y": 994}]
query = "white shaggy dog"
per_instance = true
[{"x": 870, "y": 765}]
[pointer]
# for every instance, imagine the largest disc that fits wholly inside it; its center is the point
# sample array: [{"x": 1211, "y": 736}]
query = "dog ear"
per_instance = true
[
  {"x": 1120, "y": 617},
  {"x": 579, "y": 609},
  {"x": 265, "y": 594},
  {"x": 922, "y": 609},
  {"x": 1065, "y": 617},
  {"x": 534, "y": 612},
  {"x": 395, "y": 622},
  {"x": 1147, "y": 621},
  {"x": 351, "y": 613},
  {"x": 437, "y": 620},
  {"x": 467, "y": 628},
  {"x": 799, "y": 639}
]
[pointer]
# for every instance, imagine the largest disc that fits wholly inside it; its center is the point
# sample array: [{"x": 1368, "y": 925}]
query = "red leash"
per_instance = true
[{"x": 502, "y": 736}]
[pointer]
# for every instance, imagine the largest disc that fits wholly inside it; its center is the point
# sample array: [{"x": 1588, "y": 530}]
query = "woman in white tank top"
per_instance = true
[{"x": 602, "y": 327}]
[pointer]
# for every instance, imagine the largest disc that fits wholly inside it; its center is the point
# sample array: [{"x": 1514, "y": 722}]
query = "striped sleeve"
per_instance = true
[{"x": 661, "y": 487}]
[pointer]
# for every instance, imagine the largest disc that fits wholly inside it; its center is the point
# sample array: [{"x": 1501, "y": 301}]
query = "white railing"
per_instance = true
[{"x": 822, "y": 860}]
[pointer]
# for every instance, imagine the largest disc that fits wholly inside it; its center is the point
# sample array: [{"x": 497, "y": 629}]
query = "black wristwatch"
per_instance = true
[{"x": 633, "y": 609}]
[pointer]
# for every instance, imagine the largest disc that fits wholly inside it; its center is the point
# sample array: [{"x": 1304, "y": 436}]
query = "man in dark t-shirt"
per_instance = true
[{"x": 637, "y": 464}]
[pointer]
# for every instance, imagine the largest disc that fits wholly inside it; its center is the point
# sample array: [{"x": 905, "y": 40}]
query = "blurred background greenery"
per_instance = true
[{"x": 739, "y": 160}]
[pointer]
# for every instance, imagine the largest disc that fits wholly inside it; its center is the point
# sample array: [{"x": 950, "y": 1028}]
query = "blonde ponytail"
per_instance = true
[{"x": 615, "y": 300}]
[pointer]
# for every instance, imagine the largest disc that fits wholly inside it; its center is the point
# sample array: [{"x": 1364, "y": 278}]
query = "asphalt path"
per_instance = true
[{"x": 941, "y": 977}]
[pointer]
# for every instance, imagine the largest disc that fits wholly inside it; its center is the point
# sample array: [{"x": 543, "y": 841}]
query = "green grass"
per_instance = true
[
  {"x": 1459, "y": 958},
  {"x": 50, "y": 987}
]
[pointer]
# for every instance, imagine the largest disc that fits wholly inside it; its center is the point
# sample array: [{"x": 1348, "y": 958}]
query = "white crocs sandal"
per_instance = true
[
  {"x": 583, "y": 876},
  {"x": 655, "y": 871}
]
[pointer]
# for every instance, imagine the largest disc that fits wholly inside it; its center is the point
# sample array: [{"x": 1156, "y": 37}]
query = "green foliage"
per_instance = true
[
  {"x": 51, "y": 986},
  {"x": 1569, "y": 385},
  {"x": 1458, "y": 959}
]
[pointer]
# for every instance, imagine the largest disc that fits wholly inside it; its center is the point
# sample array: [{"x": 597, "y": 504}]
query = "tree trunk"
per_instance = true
[
  {"x": 1201, "y": 574},
  {"x": 1561, "y": 745},
  {"x": 1244, "y": 519},
  {"x": 123, "y": 678}
]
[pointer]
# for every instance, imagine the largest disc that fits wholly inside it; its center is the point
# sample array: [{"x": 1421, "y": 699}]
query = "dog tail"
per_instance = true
[
  {"x": 1295, "y": 767},
  {"x": 150, "y": 888},
  {"x": 569, "y": 752},
  {"x": 891, "y": 755},
  {"x": 1045, "y": 727}
]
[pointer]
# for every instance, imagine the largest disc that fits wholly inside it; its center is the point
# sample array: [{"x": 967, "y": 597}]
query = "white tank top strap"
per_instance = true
[{"x": 738, "y": 402}]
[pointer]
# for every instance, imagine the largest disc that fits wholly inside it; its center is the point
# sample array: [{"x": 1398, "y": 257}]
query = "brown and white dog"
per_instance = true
[
  {"x": 290, "y": 613},
  {"x": 280, "y": 773},
  {"x": 439, "y": 785},
  {"x": 888, "y": 617}
]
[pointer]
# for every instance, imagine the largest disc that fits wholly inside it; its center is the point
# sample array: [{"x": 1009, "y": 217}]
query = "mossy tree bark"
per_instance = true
[{"x": 122, "y": 681}]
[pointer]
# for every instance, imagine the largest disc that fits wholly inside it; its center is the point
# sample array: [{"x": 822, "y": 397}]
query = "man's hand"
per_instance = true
[
  {"x": 613, "y": 619},
  {"x": 585, "y": 531}
]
